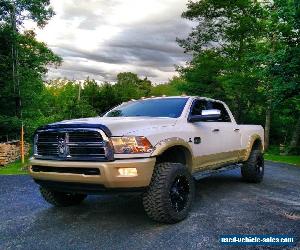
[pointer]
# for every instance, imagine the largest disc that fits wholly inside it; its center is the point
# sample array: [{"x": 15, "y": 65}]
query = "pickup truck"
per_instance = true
[{"x": 157, "y": 146}]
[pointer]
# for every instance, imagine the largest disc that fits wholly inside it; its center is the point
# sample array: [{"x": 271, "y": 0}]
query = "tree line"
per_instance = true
[{"x": 244, "y": 52}]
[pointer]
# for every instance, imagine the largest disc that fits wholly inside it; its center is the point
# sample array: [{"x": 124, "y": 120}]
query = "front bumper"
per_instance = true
[{"x": 109, "y": 176}]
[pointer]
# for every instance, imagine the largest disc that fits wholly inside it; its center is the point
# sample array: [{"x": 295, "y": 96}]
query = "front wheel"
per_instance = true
[
  {"x": 253, "y": 169},
  {"x": 170, "y": 194},
  {"x": 61, "y": 199}
]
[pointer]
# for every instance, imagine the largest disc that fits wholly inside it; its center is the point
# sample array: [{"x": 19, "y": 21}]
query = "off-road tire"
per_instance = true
[
  {"x": 60, "y": 199},
  {"x": 157, "y": 200},
  {"x": 253, "y": 169}
]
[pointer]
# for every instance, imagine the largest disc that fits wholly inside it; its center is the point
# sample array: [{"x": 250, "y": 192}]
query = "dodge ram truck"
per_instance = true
[{"x": 157, "y": 146}]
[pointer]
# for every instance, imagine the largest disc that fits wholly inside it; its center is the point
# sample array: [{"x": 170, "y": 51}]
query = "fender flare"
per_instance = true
[
  {"x": 166, "y": 144},
  {"x": 252, "y": 139}
]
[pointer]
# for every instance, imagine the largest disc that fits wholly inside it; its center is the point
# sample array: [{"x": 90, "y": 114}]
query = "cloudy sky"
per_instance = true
[{"x": 99, "y": 38}]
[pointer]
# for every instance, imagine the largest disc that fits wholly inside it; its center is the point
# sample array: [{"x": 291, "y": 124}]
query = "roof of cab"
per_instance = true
[{"x": 181, "y": 96}]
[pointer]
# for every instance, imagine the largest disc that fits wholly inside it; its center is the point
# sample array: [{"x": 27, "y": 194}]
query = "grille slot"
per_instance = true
[
  {"x": 48, "y": 137},
  {"x": 66, "y": 170},
  {"x": 85, "y": 137},
  {"x": 72, "y": 145},
  {"x": 44, "y": 149},
  {"x": 87, "y": 151}
]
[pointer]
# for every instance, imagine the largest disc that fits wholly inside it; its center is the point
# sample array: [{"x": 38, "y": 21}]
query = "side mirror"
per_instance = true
[{"x": 206, "y": 115}]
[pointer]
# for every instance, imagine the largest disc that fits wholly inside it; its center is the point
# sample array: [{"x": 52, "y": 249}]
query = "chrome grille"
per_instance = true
[{"x": 72, "y": 144}]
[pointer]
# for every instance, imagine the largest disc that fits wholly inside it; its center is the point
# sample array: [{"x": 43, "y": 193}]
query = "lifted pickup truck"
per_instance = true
[{"x": 154, "y": 145}]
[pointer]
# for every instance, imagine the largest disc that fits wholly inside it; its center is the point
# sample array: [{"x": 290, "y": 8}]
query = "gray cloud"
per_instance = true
[{"x": 146, "y": 47}]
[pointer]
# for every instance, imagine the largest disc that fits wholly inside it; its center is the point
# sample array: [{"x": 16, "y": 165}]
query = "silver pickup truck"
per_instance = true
[{"x": 156, "y": 146}]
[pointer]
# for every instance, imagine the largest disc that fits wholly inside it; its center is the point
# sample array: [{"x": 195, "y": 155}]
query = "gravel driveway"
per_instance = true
[{"x": 223, "y": 205}]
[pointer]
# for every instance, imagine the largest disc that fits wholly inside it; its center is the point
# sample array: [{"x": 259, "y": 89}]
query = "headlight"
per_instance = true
[{"x": 131, "y": 145}]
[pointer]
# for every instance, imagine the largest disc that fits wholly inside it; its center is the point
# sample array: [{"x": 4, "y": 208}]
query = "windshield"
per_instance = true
[{"x": 161, "y": 107}]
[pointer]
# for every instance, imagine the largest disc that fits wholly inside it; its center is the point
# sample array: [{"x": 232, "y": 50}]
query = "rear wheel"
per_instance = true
[
  {"x": 61, "y": 199},
  {"x": 170, "y": 194},
  {"x": 253, "y": 169}
]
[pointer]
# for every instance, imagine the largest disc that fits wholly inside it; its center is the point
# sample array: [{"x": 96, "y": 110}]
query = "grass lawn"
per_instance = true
[
  {"x": 14, "y": 168},
  {"x": 290, "y": 159}
]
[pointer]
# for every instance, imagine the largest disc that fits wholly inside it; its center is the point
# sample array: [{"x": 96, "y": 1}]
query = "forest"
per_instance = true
[{"x": 244, "y": 52}]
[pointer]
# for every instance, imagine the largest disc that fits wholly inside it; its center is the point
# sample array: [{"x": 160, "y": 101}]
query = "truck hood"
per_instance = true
[{"x": 120, "y": 126}]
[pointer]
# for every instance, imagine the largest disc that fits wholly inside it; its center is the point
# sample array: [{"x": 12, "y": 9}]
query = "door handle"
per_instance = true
[
  {"x": 216, "y": 130},
  {"x": 237, "y": 129}
]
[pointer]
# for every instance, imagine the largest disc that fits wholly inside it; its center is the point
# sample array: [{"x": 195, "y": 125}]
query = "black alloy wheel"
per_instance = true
[{"x": 179, "y": 193}]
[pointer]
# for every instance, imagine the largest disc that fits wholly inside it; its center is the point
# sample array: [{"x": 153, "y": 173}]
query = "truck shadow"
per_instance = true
[{"x": 125, "y": 212}]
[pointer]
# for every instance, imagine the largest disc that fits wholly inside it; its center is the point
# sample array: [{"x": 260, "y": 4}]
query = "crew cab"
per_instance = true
[{"x": 157, "y": 146}]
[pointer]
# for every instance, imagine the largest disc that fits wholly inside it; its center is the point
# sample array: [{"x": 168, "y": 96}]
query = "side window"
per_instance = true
[
  {"x": 198, "y": 106},
  {"x": 224, "y": 114}
]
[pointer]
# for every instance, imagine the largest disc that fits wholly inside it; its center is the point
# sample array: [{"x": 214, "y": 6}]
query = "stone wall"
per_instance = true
[{"x": 10, "y": 152}]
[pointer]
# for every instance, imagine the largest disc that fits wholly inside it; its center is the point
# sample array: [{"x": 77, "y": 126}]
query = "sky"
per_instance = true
[{"x": 100, "y": 38}]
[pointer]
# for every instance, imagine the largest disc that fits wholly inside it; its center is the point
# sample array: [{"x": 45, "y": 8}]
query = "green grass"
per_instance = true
[
  {"x": 14, "y": 168},
  {"x": 290, "y": 159}
]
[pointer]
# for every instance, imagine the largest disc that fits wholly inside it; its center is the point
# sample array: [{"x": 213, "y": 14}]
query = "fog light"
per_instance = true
[{"x": 127, "y": 172}]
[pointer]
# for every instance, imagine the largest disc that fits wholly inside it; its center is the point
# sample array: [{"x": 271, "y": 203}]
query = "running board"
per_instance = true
[{"x": 206, "y": 173}]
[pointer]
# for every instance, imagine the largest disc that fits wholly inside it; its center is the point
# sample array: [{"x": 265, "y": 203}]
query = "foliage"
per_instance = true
[
  {"x": 129, "y": 86},
  {"x": 201, "y": 75},
  {"x": 34, "y": 57},
  {"x": 37, "y": 10},
  {"x": 32, "y": 63},
  {"x": 220, "y": 43},
  {"x": 174, "y": 87},
  {"x": 100, "y": 97},
  {"x": 246, "y": 53}
]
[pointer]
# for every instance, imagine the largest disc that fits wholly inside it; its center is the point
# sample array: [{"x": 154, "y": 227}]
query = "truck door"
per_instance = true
[
  {"x": 205, "y": 137},
  {"x": 230, "y": 141},
  {"x": 215, "y": 142}
]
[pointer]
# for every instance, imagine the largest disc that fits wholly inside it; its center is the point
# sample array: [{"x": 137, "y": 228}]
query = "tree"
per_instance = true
[
  {"x": 201, "y": 75},
  {"x": 175, "y": 86},
  {"x": 101, "y": 97},
  {"x": 109, "y": 97},
  {"x": 130, "y": 86},
  {"x": 38, "y": 11},
  {"x": 34, "y": 57},
  {"x": 64, "y": 101},
  {"x": 277, "y": 57},
  {"x": 220, "y": 44},
  {"x": 248, "y": 51},
  {"x": 23, "y": 60},
  {"x": 91, "y": 93}
]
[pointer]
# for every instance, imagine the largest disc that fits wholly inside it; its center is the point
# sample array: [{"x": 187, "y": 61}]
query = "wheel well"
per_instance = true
[
  {"x": 176, "y": 154},
  {"x": 257, "y": 144}
]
